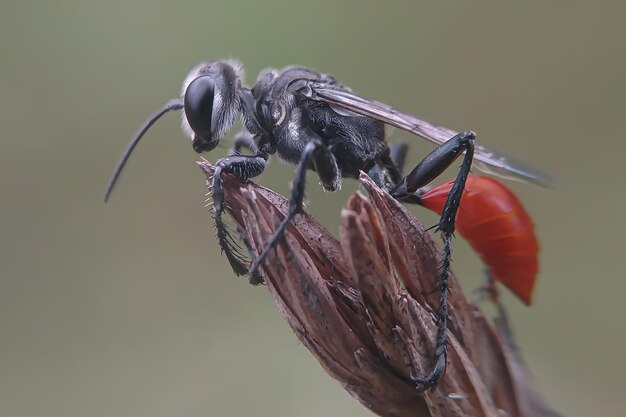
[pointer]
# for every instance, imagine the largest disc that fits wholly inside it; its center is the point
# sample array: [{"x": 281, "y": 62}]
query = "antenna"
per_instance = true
[{"x": 174, "y": 104}]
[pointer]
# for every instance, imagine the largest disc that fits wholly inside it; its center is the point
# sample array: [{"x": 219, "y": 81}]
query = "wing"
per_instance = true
[{"x": 485, "y": 159}]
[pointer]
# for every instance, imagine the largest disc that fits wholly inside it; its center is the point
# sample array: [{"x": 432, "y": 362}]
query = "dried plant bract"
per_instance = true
[{"x": 364, "y": 307}]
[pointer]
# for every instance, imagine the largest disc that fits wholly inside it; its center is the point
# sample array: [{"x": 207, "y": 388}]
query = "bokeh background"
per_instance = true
[{"x": 128, "y": 309}]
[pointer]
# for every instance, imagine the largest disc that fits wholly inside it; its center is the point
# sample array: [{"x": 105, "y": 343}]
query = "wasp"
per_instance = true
[{"x": 311, "y": 120}]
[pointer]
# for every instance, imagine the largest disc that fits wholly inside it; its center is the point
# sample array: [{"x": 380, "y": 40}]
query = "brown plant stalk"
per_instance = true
[{"x": 364, "y": 307}]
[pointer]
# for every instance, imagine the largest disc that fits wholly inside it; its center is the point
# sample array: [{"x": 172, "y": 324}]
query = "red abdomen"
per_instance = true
[{"x": 492, "y": 219}]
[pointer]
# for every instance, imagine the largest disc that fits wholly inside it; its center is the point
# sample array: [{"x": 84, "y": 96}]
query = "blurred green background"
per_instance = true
[{"x": 129, "y": 310}]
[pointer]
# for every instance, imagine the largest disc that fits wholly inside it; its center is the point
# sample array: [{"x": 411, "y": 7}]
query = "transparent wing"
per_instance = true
[{"x": 485, "y": 159}]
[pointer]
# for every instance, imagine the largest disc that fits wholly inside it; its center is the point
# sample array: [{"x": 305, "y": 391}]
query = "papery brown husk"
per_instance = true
[{"x": 363, "y": 305}]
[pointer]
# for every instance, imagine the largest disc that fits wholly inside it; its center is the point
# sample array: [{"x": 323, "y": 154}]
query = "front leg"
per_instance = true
[
  {"x": 330, "y": 177},
  {"x": 428, "y": 169},
  {"x": 243, "y": 167},
  {"x": 243, "y": 140}
]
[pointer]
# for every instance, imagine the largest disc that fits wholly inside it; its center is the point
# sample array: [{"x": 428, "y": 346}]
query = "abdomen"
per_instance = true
[{"x": 491, "y": 218}]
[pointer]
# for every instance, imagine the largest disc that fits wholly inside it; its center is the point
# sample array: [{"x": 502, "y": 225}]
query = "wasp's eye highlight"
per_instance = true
[{"x": 198, "y": 103}]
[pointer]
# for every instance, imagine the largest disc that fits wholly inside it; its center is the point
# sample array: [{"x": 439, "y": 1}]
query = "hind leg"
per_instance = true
[{"x": 427, "y": 170}]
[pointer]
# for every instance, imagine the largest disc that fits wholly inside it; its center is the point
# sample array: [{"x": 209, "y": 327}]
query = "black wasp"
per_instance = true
[{"x": 314, "y": 122}]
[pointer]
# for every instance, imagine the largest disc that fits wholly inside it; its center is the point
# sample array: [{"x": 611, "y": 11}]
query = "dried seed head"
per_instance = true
[{"x": 364, "y": 306}]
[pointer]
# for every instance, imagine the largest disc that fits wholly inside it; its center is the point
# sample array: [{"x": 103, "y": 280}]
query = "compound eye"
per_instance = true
[{"x": 198, "y": 103}]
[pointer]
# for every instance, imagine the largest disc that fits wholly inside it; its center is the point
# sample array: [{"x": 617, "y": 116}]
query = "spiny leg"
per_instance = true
[
  {"x": 244, "y": 140},
  {"x": 328, "y": 172},
  {"x": 428, "y": 169},
  {"x": 243, "y": 167}
]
